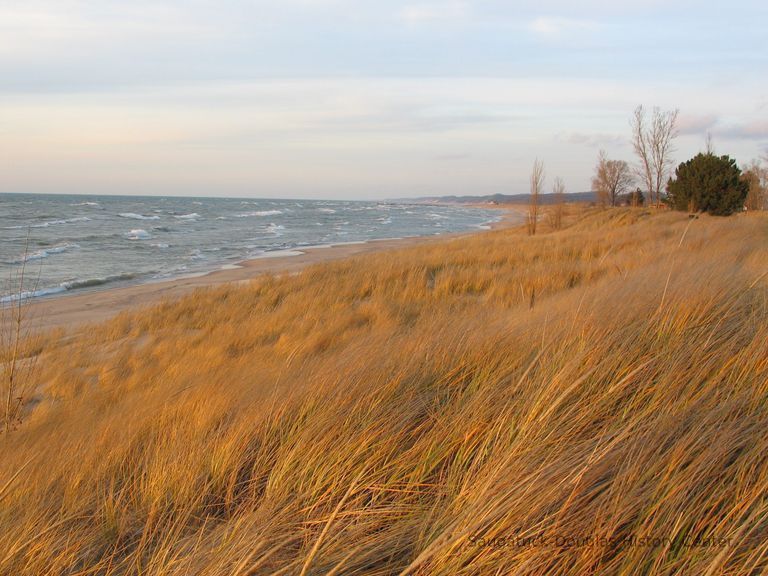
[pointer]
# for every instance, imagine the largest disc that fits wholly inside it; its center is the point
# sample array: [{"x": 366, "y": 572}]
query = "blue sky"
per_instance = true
[{"x": 362, "y": 99}]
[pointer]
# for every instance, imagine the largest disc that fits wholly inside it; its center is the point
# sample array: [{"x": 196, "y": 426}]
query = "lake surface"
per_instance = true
[{"x": 67, "y": 242}]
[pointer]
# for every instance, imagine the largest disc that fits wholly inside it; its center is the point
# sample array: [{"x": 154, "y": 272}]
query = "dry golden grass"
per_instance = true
[{"x": 415, "y": 411}]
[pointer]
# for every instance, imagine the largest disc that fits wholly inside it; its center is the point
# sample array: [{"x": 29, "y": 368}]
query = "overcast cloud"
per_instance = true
[{"x": 361, "y": 99}]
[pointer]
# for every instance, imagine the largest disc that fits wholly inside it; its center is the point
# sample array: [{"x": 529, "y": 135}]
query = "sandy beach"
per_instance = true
[{"x": 72, "y": 311}]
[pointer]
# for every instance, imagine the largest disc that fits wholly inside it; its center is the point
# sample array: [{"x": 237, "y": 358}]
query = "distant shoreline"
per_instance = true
[{"x": 71, "y": 311}]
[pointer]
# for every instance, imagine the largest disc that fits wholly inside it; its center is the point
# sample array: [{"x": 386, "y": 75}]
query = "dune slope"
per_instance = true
[{"x": 589, "y": 401}]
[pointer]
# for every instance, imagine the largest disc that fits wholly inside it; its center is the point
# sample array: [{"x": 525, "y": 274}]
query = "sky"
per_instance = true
[{"x": 363, "y": 99}]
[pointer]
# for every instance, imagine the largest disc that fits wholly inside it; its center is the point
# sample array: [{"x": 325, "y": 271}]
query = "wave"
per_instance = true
[
  {"x": 261, "y": 254},
  {"x": 134, "y": 216},
  {"x": 259, "y": 213},
  {"x": 62, "y": 221},
  {"x": 86, "y": 204},
  {"x": 49, "y": 223},
  {"x": 138, "y": 234},
  {"x": 170, "y": 272},
  {"x": 192, "y": 216},
  {"x": 44, "y": 253},
  {"x": 27, "y": 294},
  {"x": 327, "y": 210},
  {"x": 91, "y": 282},
  {"x": 65, "y": 287}
]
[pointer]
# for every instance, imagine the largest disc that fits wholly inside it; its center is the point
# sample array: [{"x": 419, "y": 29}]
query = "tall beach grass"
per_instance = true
[{"x": 592, "y": 400}]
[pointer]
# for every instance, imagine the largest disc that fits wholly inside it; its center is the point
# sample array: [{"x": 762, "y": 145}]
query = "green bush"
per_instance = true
[{"x": 708, "y": 183}]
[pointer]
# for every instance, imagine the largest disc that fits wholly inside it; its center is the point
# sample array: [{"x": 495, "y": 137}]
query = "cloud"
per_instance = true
[
  {"x": 598, "y": 140},
  {"x": 750, "y": 130},
  {"x": 698, "y": 125},
  {"x": 691, "y": 124}
]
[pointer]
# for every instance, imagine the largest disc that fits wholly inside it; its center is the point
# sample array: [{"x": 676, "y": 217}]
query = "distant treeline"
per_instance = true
[{"x": 570, "y": 197}]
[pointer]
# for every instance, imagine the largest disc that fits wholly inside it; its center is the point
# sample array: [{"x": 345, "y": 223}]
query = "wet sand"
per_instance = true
[{"x": 73, "y": 311}]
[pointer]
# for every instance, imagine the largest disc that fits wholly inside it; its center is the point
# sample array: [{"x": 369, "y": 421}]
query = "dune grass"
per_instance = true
[{"x": 588, "y": 401}]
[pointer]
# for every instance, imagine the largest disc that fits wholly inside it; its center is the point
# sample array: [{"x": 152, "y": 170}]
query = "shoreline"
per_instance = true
[{"x": 71, "y": 312}]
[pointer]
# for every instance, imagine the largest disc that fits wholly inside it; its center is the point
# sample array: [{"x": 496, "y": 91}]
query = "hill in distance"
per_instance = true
[{"x": 545, "y": 199}]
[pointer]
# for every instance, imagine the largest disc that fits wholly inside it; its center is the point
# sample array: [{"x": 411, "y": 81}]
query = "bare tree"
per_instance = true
[
  {"x": 653, "y": 144},
  {"x": 537, "y": 183},
  {"x": 612, "y": 179},
  {"x": 556, "y": 216},
  {"x": 640, "y": 145},
  {"x": 756, "y": 175},
  {"x": 710, "y": 149}
]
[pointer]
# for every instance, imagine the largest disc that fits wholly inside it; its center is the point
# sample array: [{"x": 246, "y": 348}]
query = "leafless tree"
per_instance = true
[
  {"x": 612, "y": 179},
  {"x": 710, "y": 144},
  {"x": 537, "y": 184},
  {"x": 556, "y": 215},
  {"x": 756, "y": 175},
  {"x": 653, "y": 144}
]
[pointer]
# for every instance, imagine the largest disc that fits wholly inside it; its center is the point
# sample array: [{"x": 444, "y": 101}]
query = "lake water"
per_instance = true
[{"x": 67, "y": 243}]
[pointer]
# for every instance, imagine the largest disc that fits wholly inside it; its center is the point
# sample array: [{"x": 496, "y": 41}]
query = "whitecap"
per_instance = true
[
  {"x": 50, "y": 223},
  {"x": 63, "y": 221},
  {"x": 134, "y": 216},
  {"x": 258, "y": 213},
  {"x": 45, "y": 253},
  {"x": 91, "y": 282},
  {"x": 138, "y": 234},
  {"x": 27, "y": 294}
]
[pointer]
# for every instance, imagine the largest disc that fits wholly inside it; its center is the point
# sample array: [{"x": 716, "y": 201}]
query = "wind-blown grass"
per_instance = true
[{"x": 486, "y": 405}]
